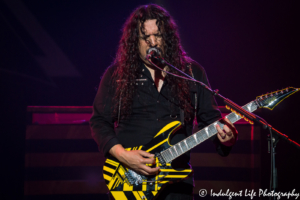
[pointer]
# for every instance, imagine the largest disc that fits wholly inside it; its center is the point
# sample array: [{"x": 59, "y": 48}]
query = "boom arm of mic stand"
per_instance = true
[{"x": 228, "y": 102}]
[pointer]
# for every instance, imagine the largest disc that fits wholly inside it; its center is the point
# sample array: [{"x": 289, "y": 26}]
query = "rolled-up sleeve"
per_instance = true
[{"x": 102, "y": 122}]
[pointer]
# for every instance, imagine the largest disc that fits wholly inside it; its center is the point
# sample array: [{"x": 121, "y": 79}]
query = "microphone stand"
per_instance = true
[{"x": 272, "y": 140}]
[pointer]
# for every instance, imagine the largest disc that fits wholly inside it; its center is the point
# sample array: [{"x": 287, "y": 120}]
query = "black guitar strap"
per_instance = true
[
  {"x": 195, "y": 94},
  {"x": 189, "y": 66}
]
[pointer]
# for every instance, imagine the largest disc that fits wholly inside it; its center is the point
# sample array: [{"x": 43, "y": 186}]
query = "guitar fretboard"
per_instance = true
[{"x": 202, "y": 135}]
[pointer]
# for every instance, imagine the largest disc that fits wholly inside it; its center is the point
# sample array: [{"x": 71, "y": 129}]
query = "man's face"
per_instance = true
[{"x": 152, "y": 38}]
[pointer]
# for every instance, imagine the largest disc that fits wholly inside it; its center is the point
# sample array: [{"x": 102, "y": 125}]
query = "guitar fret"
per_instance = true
[
  {"x": 249, "y": 107},
  {"x": 232, "y": 117},
  {"x": 174, "y": 154},
  {"x": 171, "y": 155},
  {"x": 184, "y": 147},
  {"x": 203, "y": 133},
  {"x": 176, "y": 150},
  {"x": 212, "y": 130},
  {"x": 180, "y": 147},
  {"x": 253, "y": 106},
  {"x": 220, "y": 124},
  {"x": 163, "y": 155},
  {"x": 199, "y": 136},
  {"x": 187, "y": 147},
  {"x": 206, "y": 131},
  {"x": 166, "y": 155},
  {"x": 195, "y": 137},
  {"x": 190, "y": 142},
  {"x": 237, "y": 116}
]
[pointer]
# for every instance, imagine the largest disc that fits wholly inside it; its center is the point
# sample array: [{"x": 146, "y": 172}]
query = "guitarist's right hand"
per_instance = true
[{"x": 135, "y": 160}]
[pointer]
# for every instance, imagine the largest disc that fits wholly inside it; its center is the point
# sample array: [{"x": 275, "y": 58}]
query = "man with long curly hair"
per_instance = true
[{"x": 135, "y": 100}]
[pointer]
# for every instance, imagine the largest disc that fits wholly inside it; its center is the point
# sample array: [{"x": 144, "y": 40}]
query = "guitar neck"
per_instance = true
[{"x": 202, "y": 135}]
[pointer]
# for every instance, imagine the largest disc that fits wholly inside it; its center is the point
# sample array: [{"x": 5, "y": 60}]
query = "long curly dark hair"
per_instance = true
[{"x": 128, "y": 60}]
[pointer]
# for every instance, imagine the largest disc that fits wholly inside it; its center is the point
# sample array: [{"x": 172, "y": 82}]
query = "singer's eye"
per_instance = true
[{"x": 146, "y": 38}]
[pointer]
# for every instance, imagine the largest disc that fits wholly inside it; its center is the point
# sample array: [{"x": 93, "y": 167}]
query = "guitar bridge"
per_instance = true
[{"x": 133, "y": 178}]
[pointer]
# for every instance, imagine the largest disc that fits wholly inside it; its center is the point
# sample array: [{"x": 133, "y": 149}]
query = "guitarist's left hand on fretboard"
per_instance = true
[{"x": 228, "y": 134}]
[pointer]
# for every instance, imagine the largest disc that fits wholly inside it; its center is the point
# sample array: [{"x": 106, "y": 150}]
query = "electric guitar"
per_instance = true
[{"x": 124, "y": 183}]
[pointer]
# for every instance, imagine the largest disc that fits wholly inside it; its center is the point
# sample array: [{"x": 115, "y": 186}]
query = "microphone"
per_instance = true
[
  {"x": 154, "y": 54},
  {"x": 153, "y": 51}
]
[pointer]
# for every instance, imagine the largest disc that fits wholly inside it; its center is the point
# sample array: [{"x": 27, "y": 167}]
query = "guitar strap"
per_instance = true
[
  {"x": 119, "y": 111},
  {"x": 189, "y": 66},
  {"x": 195, "y": 94}
]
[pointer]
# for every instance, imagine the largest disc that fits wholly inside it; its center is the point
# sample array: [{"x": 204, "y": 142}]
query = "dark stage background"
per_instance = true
[{"x": 54, "y": 53}]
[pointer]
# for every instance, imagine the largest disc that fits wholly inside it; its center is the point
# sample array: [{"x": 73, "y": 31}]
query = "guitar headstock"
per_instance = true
[{"x": 270, "y": 100}]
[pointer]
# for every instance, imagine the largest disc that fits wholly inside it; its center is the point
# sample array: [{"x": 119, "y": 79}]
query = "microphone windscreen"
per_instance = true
[{"x": 153, "y": 51}]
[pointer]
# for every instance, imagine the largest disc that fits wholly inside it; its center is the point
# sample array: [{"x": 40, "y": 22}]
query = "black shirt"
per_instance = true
[{"x": 151, "y": 111}]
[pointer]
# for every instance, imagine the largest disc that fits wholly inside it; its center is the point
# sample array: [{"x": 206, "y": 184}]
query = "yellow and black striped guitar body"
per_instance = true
[{"x": 118, "y": 182}]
